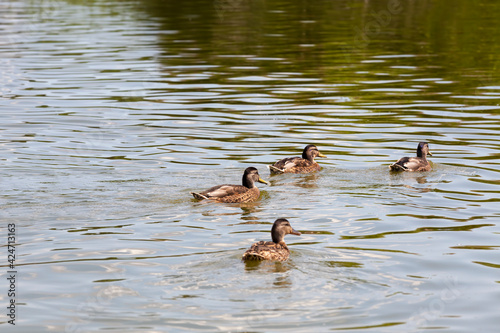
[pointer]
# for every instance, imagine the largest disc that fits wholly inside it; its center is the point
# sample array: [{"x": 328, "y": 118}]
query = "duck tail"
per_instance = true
[
  {"x": 397, "y": 167},
  {"x": 252, "y": 256},
  {"x": 275, "y": 170},
  {"x": 198, "y": 196}
]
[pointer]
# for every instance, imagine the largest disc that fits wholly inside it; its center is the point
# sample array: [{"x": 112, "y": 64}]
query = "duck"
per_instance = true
[
  {"x": 275, "y": 250},
  {"x": 418, "y": 163},
  {"x": 304, "y": 164},
  {"x": 247, "y": 192}
]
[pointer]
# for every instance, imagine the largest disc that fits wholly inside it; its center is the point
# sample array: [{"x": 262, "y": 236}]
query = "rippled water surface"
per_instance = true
[{"x": 112, "y": 112}]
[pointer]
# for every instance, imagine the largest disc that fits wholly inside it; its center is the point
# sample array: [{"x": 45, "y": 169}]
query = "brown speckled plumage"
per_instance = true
[
  {"x": 267, "y": 251},
  {"x": 304, "y": 164},
  {"x": 418, "y": 163},
  {"x": 247, "y": 192},
  {"x": 275, "y": 250}
]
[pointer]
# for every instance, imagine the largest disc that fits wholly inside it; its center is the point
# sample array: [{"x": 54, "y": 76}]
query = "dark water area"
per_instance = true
[{"x": 113, "y": 111}]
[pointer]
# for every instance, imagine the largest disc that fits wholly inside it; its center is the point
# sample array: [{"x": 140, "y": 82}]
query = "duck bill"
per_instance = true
[
  {"x": 429, "y": 153},
  {"x": 295, "y": 232},
  {"x": 263, "y": 181},
  {"x": 321, "y": 155}
]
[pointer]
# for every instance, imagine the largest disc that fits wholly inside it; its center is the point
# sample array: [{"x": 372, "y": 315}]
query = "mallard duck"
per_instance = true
[
  {"x": 275, "y": 250},
  {"x": 247, "y": 192},
  {"x": 302, "y": 164},
  {"x": 418, "y": 163}
]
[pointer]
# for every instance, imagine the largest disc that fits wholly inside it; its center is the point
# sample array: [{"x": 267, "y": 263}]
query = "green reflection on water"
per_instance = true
[{"x": 326, "y": 39}]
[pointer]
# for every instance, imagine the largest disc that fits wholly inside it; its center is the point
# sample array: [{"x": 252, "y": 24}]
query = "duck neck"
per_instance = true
[
  {"x": 422, "y": 154},
  {"x": 277, "y": 238},
  {"x": 308, "y": 157},
  {"x": 247, "y": 182}
]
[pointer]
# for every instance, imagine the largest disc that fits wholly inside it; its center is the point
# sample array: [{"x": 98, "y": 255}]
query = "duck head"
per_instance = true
[
  {"x": 310, "y": 152},
  {"x": 423, "y": 149},
  {"x": 280, "y": 229},
  {"x": 250, "y": 176}
]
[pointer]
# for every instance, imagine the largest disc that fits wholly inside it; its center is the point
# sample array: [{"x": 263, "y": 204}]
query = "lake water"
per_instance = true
[{"x": 113, "y": 111}]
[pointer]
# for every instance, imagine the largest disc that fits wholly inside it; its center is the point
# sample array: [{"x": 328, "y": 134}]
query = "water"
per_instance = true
[{"x": 112, "y": 112}]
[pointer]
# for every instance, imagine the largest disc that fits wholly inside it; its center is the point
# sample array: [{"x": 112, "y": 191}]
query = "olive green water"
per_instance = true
[{"x": 112, "y": 112}]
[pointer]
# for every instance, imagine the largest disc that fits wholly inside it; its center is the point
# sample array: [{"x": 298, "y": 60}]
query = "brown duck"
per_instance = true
[
  {"x": 304, "y": 164},
  {"x": 247, "y": 192},
  {"x": 275, "y": 250},
  {"x": 418, "y": 163}
]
